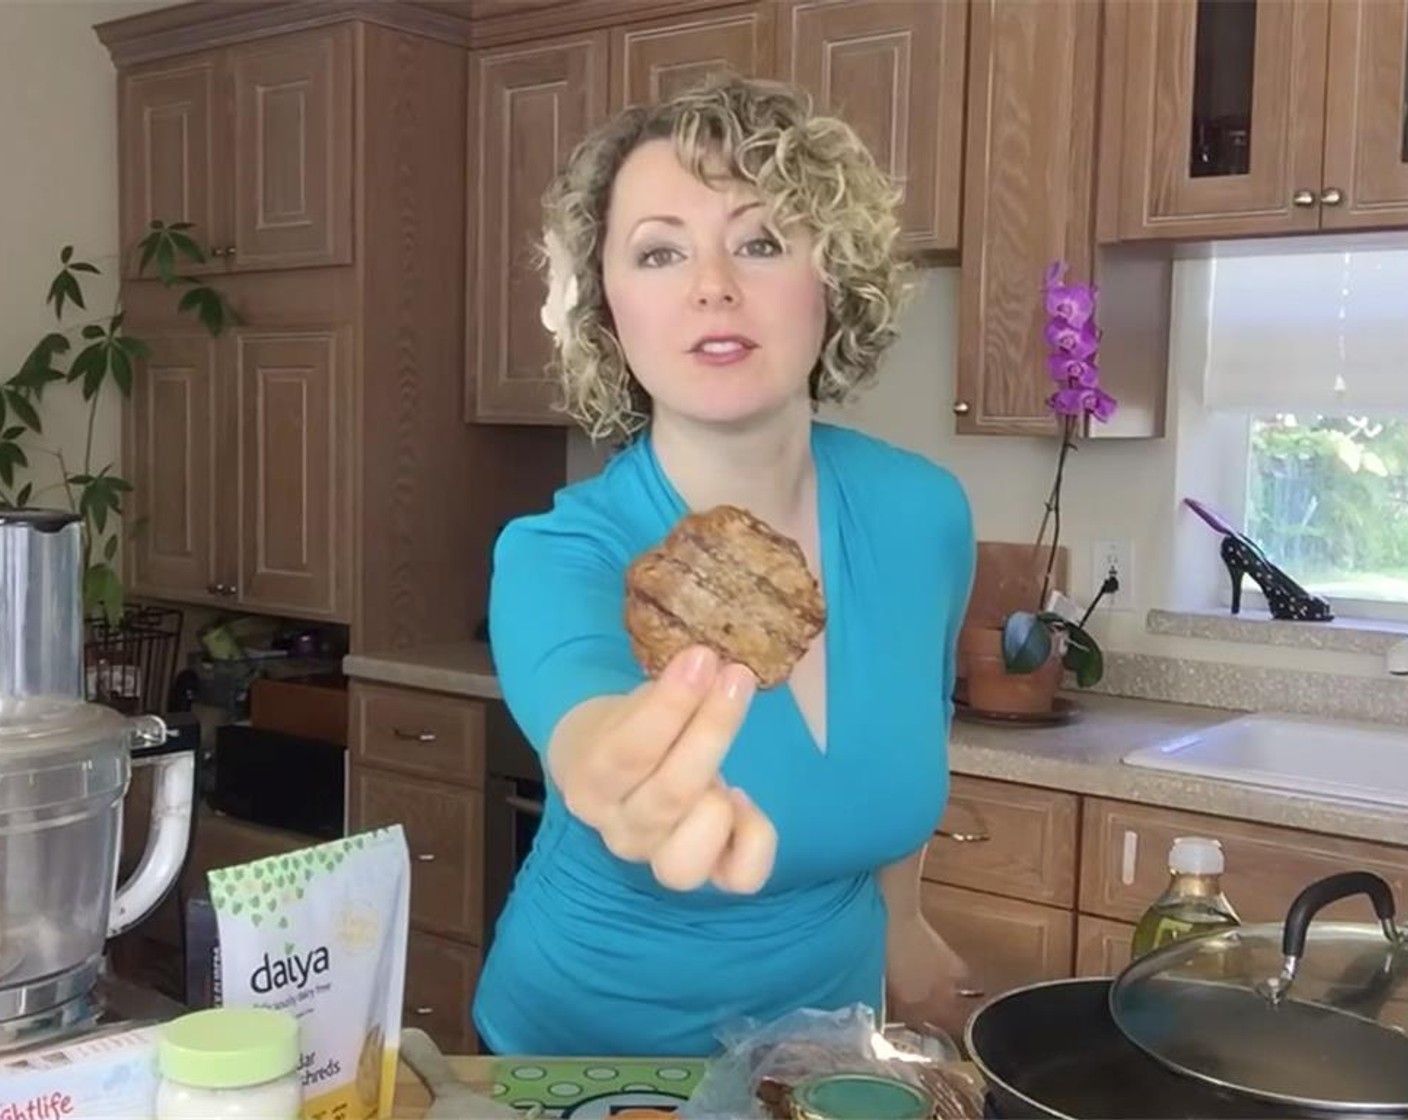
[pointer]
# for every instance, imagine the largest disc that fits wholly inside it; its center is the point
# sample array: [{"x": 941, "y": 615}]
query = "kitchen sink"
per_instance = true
[{"x": 1362, "y": 762}]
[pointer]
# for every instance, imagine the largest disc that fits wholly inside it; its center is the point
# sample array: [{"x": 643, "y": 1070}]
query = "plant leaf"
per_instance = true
[
  {"x": 110, "y": 548},
  {"x": 84, "y": 266},
  {"x": 1083, "y": 656},
  {"x": 26, "y": 492},
  {"x": 148, "y": 245},
  {"x": 121, "y": 369},
  {"x": 22, "y": 408},
  {"x": 187, "y": 247},
  {"x": 9, "y": 435},
  {"x": 166, "y": 261},
  {"x": 1026, "y": 642},
  {"x": 92, "y": 330},
  {"x": 66, "y": 254}
]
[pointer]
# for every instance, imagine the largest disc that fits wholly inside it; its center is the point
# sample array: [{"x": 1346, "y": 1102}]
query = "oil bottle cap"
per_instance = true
[{"x": 1196, "y": 855}]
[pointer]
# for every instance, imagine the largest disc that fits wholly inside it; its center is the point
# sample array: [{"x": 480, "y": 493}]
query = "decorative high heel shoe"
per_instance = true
[{"x": 1285, "y": 598}]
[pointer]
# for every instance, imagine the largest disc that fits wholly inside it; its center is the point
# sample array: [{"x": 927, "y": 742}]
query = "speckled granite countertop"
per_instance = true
[
  {"x": 459, "y": 668},
  {"x": 1081, "y": 757},
  {"x": 1084, "y": 757}
]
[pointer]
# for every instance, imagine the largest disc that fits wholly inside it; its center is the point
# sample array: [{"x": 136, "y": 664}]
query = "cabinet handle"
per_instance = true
[
  {"x": 1331, "y": 196},
  {"x": 1303, "y": 198},
  {"x": 232, "y": 590},
  {"x": 527, "y": 805},
  {"x": 966, "y": 837},
  {"x": 414, "y": 736},
  {"x": 961, "y": 408},
  {"x": 229, "y": 250},
  {"x": 217, "y": 251},
  {"x": 425, "y": 857},
  {"x": 971, "y": 993},
  {"x": 215, "y": 588},
  {"x": 424, "y": 1011}
]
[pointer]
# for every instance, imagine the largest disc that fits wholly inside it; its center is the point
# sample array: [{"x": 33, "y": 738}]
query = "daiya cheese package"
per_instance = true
[{"x": 321, "y": 933}]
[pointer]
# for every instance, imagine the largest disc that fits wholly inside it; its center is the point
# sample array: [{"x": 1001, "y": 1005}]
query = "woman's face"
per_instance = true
[{"x": 720, "y": 322}]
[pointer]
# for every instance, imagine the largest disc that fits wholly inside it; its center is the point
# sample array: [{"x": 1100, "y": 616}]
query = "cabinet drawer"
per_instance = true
[
  {"x": 1006, "y": 943},
  {"x": 1102, "y": 946},
  {"x": 1003, "y": 838},
  {"x": 440, "y": 980},
  {"x": 1125, "y": 862},
  {"x": 444, "y": 829},
  {"x": 419, "y": 733}
]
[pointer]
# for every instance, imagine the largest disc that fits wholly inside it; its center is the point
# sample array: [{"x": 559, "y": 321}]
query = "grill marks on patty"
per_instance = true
[{"x": 725, "y": 579}]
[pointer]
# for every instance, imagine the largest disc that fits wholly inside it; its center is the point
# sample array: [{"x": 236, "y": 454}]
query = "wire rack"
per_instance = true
[{"x": 129, "y": 664}]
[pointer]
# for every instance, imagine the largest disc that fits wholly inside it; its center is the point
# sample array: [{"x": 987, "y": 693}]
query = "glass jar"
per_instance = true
[{"x": 229, "y": 1062}]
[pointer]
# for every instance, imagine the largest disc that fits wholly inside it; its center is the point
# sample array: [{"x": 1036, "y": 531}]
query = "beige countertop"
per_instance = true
[
  {"x": 1082, "y": 756},
  {"x": 459, "y": 668}
]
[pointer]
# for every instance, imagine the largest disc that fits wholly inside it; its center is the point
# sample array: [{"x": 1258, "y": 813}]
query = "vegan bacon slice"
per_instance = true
[{"x": 725, "y": 579}]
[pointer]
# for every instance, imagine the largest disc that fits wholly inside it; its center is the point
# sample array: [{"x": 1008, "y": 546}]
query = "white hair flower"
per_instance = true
[{"x": 562, "y": 287}]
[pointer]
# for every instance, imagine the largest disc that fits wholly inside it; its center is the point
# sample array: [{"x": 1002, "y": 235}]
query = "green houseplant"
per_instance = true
[{"x": 94, "y": 354}]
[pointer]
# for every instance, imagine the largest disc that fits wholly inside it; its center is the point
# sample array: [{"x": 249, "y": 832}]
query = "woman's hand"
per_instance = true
[
  {"x": 927, "y": 983},
  {"x": 643, "y": 770}
]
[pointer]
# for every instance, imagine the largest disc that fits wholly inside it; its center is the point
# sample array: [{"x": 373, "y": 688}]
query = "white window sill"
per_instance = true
[{"x": 1257, "y": 627}]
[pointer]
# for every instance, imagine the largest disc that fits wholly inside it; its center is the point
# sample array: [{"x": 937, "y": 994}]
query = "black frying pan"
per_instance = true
[{"x": 1053, "y": 1050}]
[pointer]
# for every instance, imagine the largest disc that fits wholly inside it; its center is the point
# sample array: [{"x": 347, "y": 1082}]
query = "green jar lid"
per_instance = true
[
  {"x": 228, "y": 1047},
  {"x": 858, "y": 1096}
]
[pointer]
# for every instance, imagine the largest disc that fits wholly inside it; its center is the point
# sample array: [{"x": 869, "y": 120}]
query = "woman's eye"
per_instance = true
[
  {"x": 765, "y": 246},
  {"x": 654, "y": 258}
]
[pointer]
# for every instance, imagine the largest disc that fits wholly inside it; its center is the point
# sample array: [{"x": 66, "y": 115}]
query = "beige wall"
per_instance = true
[{"x": 58, "y": 186}]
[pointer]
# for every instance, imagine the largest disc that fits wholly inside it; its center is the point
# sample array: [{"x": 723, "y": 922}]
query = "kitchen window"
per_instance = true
[
  {"x": 1327, "y": 500},
  {"x": 1309, "y": 347}
]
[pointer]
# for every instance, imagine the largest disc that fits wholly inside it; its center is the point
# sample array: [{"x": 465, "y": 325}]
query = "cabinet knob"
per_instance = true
[
  {"x": 217, "y": 251},
  {"x": 966, "y": 837},
  {"x": 961, "y": 408},
  {"x": 215, "y": 588},
  {"x": 1303, "y": 198},
  {"x": 231, "y": 590},
  {"x": 1331, "y": 196}
]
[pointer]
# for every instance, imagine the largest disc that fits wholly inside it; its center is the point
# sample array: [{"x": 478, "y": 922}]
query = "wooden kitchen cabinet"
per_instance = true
[
  {"x": 1102, "y": 946},
  {"x": 529, "y": 106},
  {"x": 655, "y": 60},
  {"x": 1007, "y": 943},
  {"x": 417, "y": 758},
  {"x": 256, "y": 419},
  {"x": 312, "y": 461},
  {"x": 1008, "y": 839},
  {"x": 1257, "y": 117},
  {"x": 895, "y": 72},
  {"x": 252, "y": 144},
  {"x": 1029, "y": 191},
  {"x": 1124, "y": 863}
]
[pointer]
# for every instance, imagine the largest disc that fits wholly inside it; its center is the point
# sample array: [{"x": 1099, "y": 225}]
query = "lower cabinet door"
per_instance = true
[
  {"x": 440, "y": 979},
  {"x": 1006, "y": 942}
]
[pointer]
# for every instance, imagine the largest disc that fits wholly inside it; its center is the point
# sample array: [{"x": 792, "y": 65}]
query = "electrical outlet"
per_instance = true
[{"x": 1119, "y": 556}]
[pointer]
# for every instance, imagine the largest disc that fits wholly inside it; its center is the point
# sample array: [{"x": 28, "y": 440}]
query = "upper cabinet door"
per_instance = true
[
  {"x": 895, "y": 71},
  {"x": 171, "y": 441},
  {"x": 529, "y": 106},
  {"x": 654, "y": 61},
  {"x": 292, "y": 151},
  {"x": 1366, "y": 121},
  {"x": 168, "y": 131},
  {"x": 1028, "y": 191},
  {"x": 1224, "y": 117},
  {"x": 293, "y": 494}
]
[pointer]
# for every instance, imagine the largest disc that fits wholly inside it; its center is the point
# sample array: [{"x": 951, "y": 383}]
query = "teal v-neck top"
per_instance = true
[{"x": 591, "y": 955}]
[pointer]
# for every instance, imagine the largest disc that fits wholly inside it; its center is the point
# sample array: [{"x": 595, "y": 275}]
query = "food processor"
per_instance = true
[{"x": 64, "y": 770}]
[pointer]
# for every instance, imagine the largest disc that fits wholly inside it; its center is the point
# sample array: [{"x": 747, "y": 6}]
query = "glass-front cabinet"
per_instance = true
[{"x": 1248, "y": 117}]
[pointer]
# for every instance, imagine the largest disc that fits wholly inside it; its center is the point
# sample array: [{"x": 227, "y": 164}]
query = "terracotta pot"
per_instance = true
[{"x": 991, "y": 688}]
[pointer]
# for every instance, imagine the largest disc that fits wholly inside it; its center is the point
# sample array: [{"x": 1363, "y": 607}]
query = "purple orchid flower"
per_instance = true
[{"x": 1074, "y": 341}]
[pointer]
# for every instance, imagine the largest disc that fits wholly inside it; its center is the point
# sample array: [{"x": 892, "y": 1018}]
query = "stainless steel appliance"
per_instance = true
[
  {"x": 513, "y": 808},
  {"x": 64, "y": 769}
]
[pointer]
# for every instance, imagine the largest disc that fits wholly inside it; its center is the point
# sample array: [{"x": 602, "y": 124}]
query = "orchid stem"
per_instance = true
[{"x": 1053, "y": 509}]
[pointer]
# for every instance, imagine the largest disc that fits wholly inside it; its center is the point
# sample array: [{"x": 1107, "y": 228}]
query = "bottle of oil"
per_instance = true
[{"x": 1193, "y": 901}]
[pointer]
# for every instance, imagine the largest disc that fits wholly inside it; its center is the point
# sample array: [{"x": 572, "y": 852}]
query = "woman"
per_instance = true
[{"x": 723, "y": 262}]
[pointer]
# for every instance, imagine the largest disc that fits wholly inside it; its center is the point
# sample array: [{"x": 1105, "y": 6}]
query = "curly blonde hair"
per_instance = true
[{"x": 809, "y": 170}]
